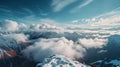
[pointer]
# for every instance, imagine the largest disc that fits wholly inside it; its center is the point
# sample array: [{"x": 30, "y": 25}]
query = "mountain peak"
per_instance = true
[{"x": 60, "y": 61}]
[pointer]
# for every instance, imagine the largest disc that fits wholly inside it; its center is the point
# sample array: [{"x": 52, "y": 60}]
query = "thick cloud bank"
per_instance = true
[
  {"x": 33, "y": 43},
  {"x": 48, "y": 47}
]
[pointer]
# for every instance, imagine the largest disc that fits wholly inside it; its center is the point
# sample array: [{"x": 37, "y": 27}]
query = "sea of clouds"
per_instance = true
[{"x": 39, "y": 41}]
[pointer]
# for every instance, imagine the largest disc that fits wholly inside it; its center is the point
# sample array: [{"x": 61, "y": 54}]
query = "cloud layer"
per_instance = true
[
  {"x": 54, "y": 46},
  {"x": 39, "y": 41}
]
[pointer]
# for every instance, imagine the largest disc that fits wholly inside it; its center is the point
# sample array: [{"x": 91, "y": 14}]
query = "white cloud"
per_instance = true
[
  {"x": 93, "y": 43},
  {"x": 46, "y": 24},
  {"x": 109, "y": 20},
  {"x": 114, "y": 12},
  {"x": 87, "y": 2},
  {"x": 75, "y": 21},
  {"x": 58, "y": 5},
  {"x": 9, "y": 25},
  {"x": 23, "y": 26},
  {"x": 54, "y": 46},
  {"x": 18, "y": 37},
  {"x": 44, "y": 43}
]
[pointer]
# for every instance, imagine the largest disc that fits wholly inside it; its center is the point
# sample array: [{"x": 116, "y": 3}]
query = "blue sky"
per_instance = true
[{"x": 61, "y": 11}]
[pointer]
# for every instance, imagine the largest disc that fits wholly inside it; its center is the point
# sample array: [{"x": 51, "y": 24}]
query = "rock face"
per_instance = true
[{"x": 60, "y": 61}]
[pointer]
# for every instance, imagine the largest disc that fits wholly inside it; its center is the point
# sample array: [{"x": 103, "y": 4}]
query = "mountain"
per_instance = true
[{"x": 60, "y": 61}]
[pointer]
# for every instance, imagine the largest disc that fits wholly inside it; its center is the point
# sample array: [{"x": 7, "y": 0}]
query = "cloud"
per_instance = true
[
  {"x": 23, "y": 26},
  {"x": 75, "y": 21},
  {"x": 114, "y": 12},
  {"x": 44, "y": 40},
  {"x": 109, "y": 20},
  {"x": 9, "y": 25},
  {"x": 87, "y": 2},
  {"x": 53, "y": 46},
  {"x": 46, "y": 24},
  {"x": 58, "y": 5},
  {"x": 93, "y": 43},
  {"x": 18, "y": 37}
]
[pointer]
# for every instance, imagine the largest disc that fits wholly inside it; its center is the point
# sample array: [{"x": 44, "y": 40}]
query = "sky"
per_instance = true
[
  {"x": 86, "y": 28},
  {"x": 61, "y": 11}
]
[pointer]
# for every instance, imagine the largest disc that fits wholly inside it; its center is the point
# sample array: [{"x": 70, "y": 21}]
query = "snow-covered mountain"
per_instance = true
[{"x": 60, "y": 61}]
